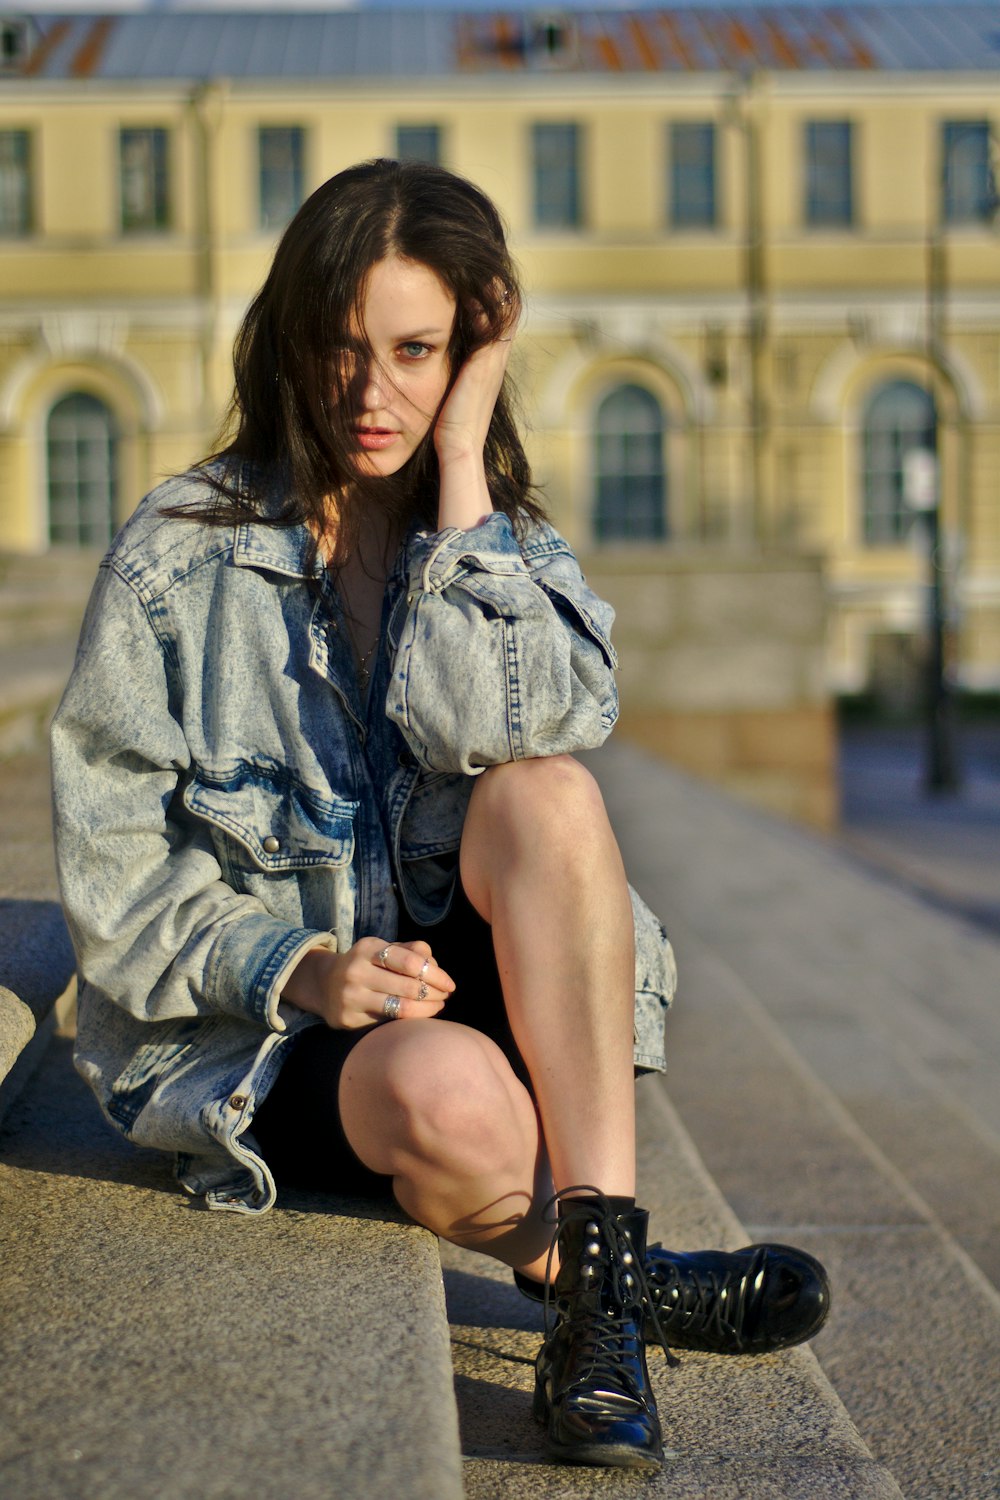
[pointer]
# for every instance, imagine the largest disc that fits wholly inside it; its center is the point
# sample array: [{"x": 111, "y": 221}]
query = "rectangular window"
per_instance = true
[
  {"x": 419, "y": 143},
  {"x": 829, "y": 184},
  {"x": 967, "y": 186},
  {"x": 15, "y": 182},
  {"x": 144, "y": 188},
  {"x": 556, "y": 173},
  {"x": 281, "y": 173},
  {"x": 692, "y": 191}
]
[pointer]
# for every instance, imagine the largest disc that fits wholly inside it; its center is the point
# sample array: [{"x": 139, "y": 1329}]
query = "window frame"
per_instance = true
[
  {"x": 84, "y": 518},
  {"x": 610, "y": 523},
  {"x": 296, "y": 173},
  {"x": 570, "y": 164},
  {"x": 821, "y": 209},
  {"x": 955, "y": 207},
  {"x": 889, "y": 525},
  {"x": 21, "y": 224},
  {"x": 157, "y": 175},
  {"x": 679, "y": 172},
  {"x": 430, "y": 128}
]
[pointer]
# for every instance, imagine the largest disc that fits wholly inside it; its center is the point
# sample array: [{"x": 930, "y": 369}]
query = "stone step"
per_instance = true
[
  {"x": 836, "y": 1042},
  {"x": 154, "y": 1348},
  {"x": 769, "y": 1427}
]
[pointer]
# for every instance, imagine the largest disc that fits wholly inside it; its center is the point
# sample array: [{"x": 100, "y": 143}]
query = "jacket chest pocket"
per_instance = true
[{"x": 265, "y": 820}]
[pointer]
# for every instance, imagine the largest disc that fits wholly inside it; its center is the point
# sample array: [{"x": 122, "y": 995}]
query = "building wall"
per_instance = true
[{"x": 763, "y": 340}]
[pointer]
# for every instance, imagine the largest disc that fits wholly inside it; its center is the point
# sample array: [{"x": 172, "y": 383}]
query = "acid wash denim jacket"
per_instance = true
[{"x": 226, "y": 798}]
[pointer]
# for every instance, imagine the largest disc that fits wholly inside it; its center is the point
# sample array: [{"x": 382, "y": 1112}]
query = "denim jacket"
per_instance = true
[{"x": 226, "y": 798}]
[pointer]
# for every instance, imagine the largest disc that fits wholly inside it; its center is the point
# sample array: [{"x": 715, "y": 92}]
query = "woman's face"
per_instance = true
[{"x": 408, "y": 316}]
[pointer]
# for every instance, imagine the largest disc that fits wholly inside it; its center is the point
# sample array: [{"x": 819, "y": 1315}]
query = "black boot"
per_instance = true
[
  {"x": 749, "y": 1301},
  {"x": 591, "y": 1382}
]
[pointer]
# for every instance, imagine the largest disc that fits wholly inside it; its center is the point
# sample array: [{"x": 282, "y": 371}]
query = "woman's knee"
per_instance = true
[
  {"x": 550, "y": 796},
  {"x": 446, "y": 1096}
]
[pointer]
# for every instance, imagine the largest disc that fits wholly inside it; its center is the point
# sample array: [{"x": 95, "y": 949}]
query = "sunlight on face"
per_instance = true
[{"x": 408, "y": 317}]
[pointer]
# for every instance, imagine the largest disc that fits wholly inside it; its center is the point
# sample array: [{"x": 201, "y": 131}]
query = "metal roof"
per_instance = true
[{"x": 426, "y": 43}]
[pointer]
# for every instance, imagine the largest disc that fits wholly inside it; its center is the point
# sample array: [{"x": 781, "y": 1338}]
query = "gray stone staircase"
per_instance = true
[{"x": 832, "y": 1050}]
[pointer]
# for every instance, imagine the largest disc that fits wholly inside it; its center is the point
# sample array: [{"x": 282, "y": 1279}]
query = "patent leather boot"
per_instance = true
[
  {"x": 591, "y": 1382},
  {"x": 750, "y": 1301}
]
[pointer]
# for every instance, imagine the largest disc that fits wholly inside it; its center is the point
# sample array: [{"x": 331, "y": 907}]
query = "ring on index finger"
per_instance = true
[{"x": 382, "y": 957}]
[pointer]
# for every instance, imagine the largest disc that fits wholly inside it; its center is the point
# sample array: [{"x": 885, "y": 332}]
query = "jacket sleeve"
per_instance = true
[
  {"x": 504, "y": 652},
  {"x": 154, "y": 926}
]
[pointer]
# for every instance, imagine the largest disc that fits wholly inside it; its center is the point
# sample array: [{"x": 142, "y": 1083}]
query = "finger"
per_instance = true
[
  {"x": 399, "y": 1008},
  {"x": 417, "y": 945},
  {"x": 406, "y": 964}
]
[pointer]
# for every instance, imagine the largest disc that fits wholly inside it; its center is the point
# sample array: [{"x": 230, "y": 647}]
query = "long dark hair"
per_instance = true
[{"x": 290, "y": 440}]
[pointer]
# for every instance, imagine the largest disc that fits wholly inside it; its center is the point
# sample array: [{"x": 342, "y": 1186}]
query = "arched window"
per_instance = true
[
  {"x": 899, "y": 418},
  {"x": 631, "y": 480},
  {"x": 82, "y": 463}
]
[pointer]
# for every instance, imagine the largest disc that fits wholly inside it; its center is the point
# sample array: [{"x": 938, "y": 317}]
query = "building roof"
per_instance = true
[{"x": 427, "y": 43}]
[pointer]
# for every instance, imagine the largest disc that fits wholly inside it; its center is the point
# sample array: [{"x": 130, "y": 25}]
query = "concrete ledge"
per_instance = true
[{"x": 155, "y": 1348}]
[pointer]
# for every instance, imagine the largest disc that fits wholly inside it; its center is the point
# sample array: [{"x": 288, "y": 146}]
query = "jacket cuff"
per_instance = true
[
  {"x": 250, "y": 964},
  {"x": 441, "y": 558}
]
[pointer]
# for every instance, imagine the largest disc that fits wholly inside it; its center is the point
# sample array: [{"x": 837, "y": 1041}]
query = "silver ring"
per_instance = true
[
  {"x": 422, "y": 992},
  {"x": 380, "y": 958},
  {"x": 424, "y": 967},
  {"x": 390, "y": 1010}
]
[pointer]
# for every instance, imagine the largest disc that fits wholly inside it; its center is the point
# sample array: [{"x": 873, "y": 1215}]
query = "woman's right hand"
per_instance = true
[{"x": 349, "y": 990}]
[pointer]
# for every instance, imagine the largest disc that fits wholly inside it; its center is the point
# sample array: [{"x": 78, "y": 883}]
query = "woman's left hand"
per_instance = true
[{"x": 461, "y": 429}]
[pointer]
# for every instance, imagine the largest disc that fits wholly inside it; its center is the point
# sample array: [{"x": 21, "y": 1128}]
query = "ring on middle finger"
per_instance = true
[{"x": 423, "y": 991}]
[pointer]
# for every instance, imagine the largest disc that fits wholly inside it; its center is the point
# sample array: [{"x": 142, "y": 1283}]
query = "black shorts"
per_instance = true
[{"x": 297, "y": 1127}]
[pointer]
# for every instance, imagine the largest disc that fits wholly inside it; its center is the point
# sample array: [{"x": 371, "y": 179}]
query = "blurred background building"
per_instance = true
[{"x": 761, "y": 350}]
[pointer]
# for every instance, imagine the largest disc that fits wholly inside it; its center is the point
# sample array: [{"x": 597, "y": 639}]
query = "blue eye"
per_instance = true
[{"x": 415, "y": 350}]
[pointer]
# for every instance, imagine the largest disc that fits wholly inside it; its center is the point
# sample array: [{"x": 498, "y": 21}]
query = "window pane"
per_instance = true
[
  {"x": 81, "y": 472},
  {"x": 418, "y": 143},
  {"x": 556, "y": 176},
  {"x": 281, "y": 151},
  {"x": 15, "y": 182},
  {"x": 900, "y": 417},
  {"x": 692, "y": 175},
  {"x": 829, "y": 191},
  {"x": 628, "y": 463},
  {"x": 143, "y": 179},
  {"x": 966, "y": 180}
]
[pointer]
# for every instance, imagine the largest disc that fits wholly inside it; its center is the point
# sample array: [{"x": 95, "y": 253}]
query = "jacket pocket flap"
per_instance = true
[
  {"x": 281, "y": 823},
  {"x": 567, "y": 603}
]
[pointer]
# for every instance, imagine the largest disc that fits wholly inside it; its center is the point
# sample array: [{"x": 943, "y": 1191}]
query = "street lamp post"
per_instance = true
[
  {"x": 921, "y": 491},
  {"x": 922, "y": 486}
]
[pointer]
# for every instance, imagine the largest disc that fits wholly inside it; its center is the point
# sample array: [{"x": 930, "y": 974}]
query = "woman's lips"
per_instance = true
[{"x": 374, "y": 439}]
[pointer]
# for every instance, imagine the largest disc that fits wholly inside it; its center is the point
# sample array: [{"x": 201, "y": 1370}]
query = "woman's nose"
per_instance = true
[{"x": 372, "y": 386}]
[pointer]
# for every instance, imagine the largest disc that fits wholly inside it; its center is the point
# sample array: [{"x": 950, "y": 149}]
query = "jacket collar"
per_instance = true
[{"x": 282, "y": 549}]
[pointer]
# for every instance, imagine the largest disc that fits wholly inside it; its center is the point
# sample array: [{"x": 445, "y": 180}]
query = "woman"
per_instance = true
[{"x": 314, "y": 774}]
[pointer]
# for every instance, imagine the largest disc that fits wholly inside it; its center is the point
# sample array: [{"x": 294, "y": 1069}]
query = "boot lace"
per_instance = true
[
  {"x": 703, "y": 1299},
  {"x": 618, "y": 1285}
]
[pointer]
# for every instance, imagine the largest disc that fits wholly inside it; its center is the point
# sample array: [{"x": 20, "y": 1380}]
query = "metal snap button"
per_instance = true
[
  {"x": 237, "y": 1101},
  {"x": 271, "y": 844}
]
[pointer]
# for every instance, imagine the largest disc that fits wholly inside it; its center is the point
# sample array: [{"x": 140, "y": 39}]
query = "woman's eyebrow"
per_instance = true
[{"x": 421, "y": 333}]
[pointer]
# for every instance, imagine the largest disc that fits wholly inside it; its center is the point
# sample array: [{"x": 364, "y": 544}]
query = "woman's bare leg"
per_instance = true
[
  {"x": 540, "y": 863},
  {"x": 445, "y": 1115}
]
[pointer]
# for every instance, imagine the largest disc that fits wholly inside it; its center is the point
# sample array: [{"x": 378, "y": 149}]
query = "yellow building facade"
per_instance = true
[{"x": 759, "y": 280}]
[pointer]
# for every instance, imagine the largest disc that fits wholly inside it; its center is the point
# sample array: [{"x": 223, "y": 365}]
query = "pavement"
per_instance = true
[
  {"x": 944, "y": 846},
  {"x": 834, "y": 1053}
]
